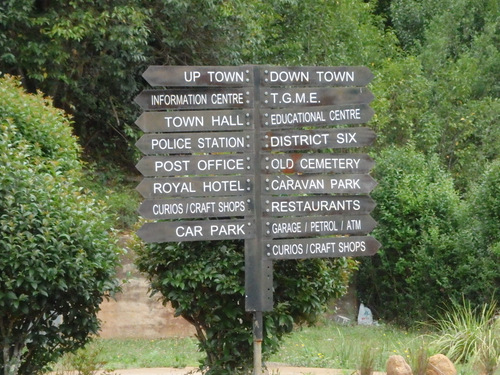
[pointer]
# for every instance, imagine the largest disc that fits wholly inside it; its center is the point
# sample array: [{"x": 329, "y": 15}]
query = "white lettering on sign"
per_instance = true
[
  {"x": 294, "y": 98},
  {"x": 227, "y": 229},
  {"x": 345, "y": 183},
  {"x": 320, "y": 248},
  {"x": 221, "y": 142},
  {"x": 178, "y": 99},
  {"x": 352, "y": 246},
  {"x": 286, "y": 228},
  {"x": 297, "y": 140},
  {"x": 218, "y": 76},
  {"x": 221, "y": 120},
  {"x": 223, "y": 186},
  {"x": 173, "y": 187},
  {"x": 335, "y": 76},
  {"x": 191, "y": 76},
  {"x": 290, "y": 207},
  {"x": 227, "y": 98},
  {"x": 171, "y": 166},
  {"x": 293, "y": 184},
  {"x": 224, "y": 76},
  {"x": 168, "y": 209},
  {"x": 345, "y": 114},
  {"x": 287, "y": 249},
  {"x": 183, "y": 231},
  {"x": 184, "y": 122},
  {"x": 345, "y": 138},
  {"x": 297, "y": 118},
  {"x": 221, "y": 165},
  {"x": 171, "y": 143},
  {"x": 288, "y": 77},
  {"x": 323, "y": 226},
  {"x": 232, "y": 206},
  {"x": 329, "y": 163},
  {"x": 201, "y": 207},
  {"x": 206, "y": 207}
]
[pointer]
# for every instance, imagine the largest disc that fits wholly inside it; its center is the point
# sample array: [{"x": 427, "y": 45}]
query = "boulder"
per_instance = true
[
  {"x": 396, "y": 365},
  {"x": 440, "y": 364}
]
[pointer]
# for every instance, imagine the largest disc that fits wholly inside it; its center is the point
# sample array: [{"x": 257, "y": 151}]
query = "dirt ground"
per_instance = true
[{"x": 273, "y": 369}]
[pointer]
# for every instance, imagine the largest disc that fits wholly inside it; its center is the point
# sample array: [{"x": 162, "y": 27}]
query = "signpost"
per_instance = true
[{"x": 244, "y": 152}]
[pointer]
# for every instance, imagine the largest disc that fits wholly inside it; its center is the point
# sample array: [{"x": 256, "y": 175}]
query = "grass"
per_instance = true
[
  {"x": 333, "y": 346},
  {"x": 326, "y": 345}
]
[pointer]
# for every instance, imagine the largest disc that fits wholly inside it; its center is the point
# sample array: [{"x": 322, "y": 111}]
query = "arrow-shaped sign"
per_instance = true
[{"x": 321, "y": 247}]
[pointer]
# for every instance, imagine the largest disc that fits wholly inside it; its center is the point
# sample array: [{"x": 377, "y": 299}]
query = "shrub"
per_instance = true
[
  {"x": 425, "y": 259},
  {"x": 204, "y": 281},
  {"x": 56, "y": 256}
]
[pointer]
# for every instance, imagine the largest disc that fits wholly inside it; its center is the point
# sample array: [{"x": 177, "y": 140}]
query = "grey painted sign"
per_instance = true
[
  {"x": 309, "y": 97},
  {"x": 197, "y": 230},
  {"x": 286, "y": 140},
  {"x": 314, "y": 226},
  {"x": 182, "y": 143},
  {"x": 183, "y": 208},
  {"x": 196, "y": 98},
  {"x": 161, "y": 75},
  {"x": 196, "y": 186},
  {"x": 329, "y": 247},
  {"x": 317, "y": 163},
  {"x": 315, "y": 76},
  {"x": 195, "y": 121},
  {"x": 317, "y": 205},
  {"x": 316, "y": 116},
  {"x": 159, "y": 166},
  {"x": 318, "y": 183}
]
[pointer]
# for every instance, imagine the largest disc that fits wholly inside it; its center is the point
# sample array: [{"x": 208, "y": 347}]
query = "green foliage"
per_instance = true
[
  {"x": 204, "y": 281},
  {"x": 464, "y": 330},
  {"x": 425, "y": 259},
  {"x": 85, "y": 55},
  {"x": 56, "y": 256}
]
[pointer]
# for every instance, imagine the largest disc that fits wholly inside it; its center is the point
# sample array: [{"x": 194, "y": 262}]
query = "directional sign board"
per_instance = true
[
  {"x": 316, "y": 116},
  {"x": 159, "y": 75},
  {"x": 313, "y": 226},
  {"x": 318, "y": 183},
  {"x": 181, "y": 143},
  {"x": 200, "y": 98},
  {"x": 244, "y": 152},
  {"x": 315, "y": 76},
  {"x": 317, "y": 205},
  {"x": 195, "y": 121},
  {"x": 194, "y": 164},
  {"x": 317, "y": 139},
  {"x": 318, "y": 96},
  {"x": 325, "y": 247},
  {"x": 197, "y": 230},
  {"x": 160, "y": 209},
  {"x": 195, "y": 186},
  {"x": 317, "y": 163}
]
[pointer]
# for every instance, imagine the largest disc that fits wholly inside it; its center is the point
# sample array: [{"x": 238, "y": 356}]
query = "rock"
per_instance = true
[
  {"x": 440, "y": 364},
  {"x": 396, "y": 365}
]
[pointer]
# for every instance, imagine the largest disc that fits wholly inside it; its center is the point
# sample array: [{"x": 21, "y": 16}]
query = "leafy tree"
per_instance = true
[
  {"x": 84, "y": 54},
  {"x": 56, "y": 256},
  {"x": 204, "y": 281}
]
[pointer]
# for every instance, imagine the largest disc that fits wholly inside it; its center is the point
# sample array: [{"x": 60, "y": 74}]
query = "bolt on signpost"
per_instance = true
[{"x": 243, "y": 142}]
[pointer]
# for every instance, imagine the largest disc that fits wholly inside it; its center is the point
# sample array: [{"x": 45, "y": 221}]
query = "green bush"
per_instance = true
[
  {"x": 430, "y": 250},
  {"x": 56, "y": 256},
  {"x": 204, "y": 281}
]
